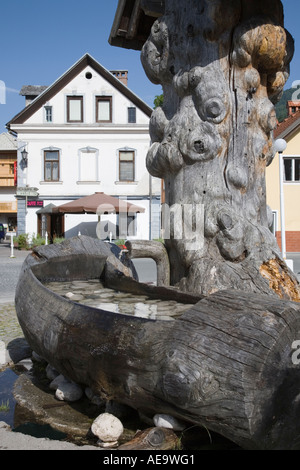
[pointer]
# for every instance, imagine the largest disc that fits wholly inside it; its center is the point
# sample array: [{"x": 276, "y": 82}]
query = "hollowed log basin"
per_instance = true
[{"x": 226, "y": 363}]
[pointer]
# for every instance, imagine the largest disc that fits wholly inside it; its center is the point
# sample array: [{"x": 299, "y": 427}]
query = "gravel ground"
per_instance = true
[
  {"x": 10, "y": 440},
  {"x": 9, "y": 273}
]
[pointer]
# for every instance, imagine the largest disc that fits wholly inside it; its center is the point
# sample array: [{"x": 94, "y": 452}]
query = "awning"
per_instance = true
[{"x": 98, "y": 203}]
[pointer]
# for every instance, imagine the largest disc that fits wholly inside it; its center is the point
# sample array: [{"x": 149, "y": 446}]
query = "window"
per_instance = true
[
  {"x": 132, "y": 115},
  {"x": 48, "y": 113},
  {"x": 75, "y": 108},
  {"x": 126, "y": 165},
  {"x": 292, "y": 168},
  {"x": 274, "y": 225},
  {"x": 88, "y": 165},
  {"x": 103, "y": 109},
  {"x": 51, "y": 165},
  {"x": 126, "y": 225}
]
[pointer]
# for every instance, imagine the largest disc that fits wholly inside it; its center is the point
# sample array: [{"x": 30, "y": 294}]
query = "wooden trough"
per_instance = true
[{"x": 226, "y": 363}]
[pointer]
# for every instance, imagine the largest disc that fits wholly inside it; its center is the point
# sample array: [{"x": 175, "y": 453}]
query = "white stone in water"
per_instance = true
[
  {"x": 107, "y": 428},
  {"x": 167, "y": 421},
  {"x": 121, "y": 302},
  {"x": 165, "y": 318},
  {"x": 105, "y": 297},
  {"x": 74, "y": 297},
  {"x": 108, "y": 306}
]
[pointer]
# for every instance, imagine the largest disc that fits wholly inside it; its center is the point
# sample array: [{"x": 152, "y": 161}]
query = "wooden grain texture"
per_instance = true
[
  {"x": 225, "y": 364},
  {"x": 156, "y": 251},
  {"x": 222, "y": 66}
]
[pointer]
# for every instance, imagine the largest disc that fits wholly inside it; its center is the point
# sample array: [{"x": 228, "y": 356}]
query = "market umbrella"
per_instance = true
[{"x": 98, "y": 203}]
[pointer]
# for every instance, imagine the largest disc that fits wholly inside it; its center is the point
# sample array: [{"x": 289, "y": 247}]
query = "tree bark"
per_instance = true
[{"x": 222, "y": 66}]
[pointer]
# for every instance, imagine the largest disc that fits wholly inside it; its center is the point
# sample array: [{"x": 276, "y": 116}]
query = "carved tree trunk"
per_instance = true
[
  {"x": 229, "y": 363},
  {"x": 222, "y": 65}
]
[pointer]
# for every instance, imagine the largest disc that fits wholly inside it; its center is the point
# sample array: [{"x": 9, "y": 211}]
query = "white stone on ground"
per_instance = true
[
  {"x": 107, "y": 428},
  {"x": 167, "y": 421}
]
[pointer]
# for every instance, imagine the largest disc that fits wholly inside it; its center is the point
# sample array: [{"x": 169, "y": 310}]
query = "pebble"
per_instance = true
[
  {"x": 119, "y": 302},
  {"x": 66, "y": 390},
  {"x": 74, "y": 297},
  {"x": 167, "y": 421},
  {"x": 51, "y": 373},
  {"x": 107, "y": 427}
]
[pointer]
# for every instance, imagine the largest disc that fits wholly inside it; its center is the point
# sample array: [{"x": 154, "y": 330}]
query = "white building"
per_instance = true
[
  {"x": 8, "y": 181},
  {"x": 86, "y": 133}
]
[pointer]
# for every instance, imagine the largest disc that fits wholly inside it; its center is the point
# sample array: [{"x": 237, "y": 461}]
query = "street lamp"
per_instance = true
[
  {"x": 24, "y": 154},
  {"x": 280, "y": 146}
]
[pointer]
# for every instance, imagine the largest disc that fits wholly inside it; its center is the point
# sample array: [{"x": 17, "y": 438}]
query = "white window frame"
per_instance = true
[
  {"x": 51, "y": 149},
  {"x": 81, "y": 153},
  {"x": 109, "y": 99},
  {"x": 46, "y": 107},
  {"x": 81, "y": 99},
  {"x": 127, "y": 149},
  {"x": 293, "y": 158}
]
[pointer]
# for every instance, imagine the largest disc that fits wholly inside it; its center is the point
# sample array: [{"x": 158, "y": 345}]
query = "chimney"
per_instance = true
[
  {"x": 31, "y": 92},
  {"x": 293, "y": 107},
  {"x": 122, "y": 75}
]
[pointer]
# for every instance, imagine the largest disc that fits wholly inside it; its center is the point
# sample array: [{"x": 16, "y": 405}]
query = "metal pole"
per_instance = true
[
  {"x": 150, "y": 207},
  {"x": 12, "y": 246},
  {"x": 282, "y": 214}
]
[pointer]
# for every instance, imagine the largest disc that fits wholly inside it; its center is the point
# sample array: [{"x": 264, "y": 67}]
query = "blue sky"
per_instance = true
[{"x": 41, "y": 39}]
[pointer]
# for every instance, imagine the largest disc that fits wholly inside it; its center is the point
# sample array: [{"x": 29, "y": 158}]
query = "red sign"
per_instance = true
[
  {"x": 15, "y": 174},
  {"x": 35, "y": 203}
]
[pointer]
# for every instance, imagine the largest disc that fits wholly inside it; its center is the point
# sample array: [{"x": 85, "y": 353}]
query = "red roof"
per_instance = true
[{"x": 285, "y": 127}]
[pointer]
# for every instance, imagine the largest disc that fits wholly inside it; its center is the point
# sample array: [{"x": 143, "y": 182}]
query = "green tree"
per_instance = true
[
  {"x": 281, "y": 109},
  {"x": 158, "y": 101}
]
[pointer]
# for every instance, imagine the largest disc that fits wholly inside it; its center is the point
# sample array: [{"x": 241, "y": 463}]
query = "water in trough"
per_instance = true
[{"x": 92, "y": 293}]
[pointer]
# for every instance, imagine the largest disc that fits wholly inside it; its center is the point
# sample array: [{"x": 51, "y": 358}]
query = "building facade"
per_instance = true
[
  {"x": 289, "y": 130},
  {"x": 8, "y": 181},
  {"x": 86, "y": 133}
]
